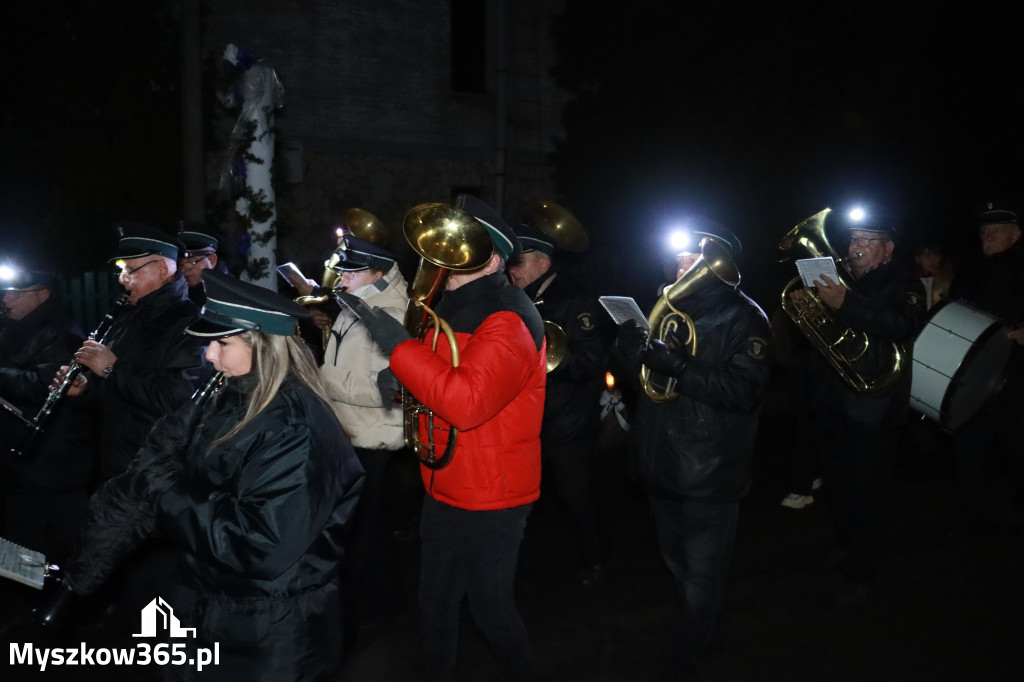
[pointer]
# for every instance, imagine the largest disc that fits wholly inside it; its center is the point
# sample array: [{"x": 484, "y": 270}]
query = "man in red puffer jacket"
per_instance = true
[{"x": 476, "y": 506}]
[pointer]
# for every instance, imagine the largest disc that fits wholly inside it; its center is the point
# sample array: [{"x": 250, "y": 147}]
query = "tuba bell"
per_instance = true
[
  {"x": 841, "y": 346},
  {"x": 567, "y": 233},
  {"x": 447, "y": 240},
  {"x": 714, "y": 263}
]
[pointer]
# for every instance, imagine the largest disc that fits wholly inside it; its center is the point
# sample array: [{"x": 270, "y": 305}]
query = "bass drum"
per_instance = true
[{"x": 959, "y": 358}]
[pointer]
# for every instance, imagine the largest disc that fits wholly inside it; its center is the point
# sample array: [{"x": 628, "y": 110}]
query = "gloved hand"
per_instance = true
[
  {"x": 664, "y": 360},
  {"x": 386, "y": 331},
  {"x": 390, "y": 389},
  {"x": 631, "y": 338}
]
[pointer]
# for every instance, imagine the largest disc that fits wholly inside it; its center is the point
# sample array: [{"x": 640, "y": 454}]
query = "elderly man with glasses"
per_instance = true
[
  {"x": 856, "y": 433},
  {"x": 146, "y": 366}
]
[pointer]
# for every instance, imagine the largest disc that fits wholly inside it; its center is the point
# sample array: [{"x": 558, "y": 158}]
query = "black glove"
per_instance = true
[
  {"x": 390, "y": 389},
  {"x": 386, "y": 331},
  {"x": 664, "y": 360},
  {"x": 631, "y": 338}
]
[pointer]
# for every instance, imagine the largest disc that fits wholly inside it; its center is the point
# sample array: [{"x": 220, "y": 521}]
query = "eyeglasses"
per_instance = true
[
  {"x": 866, "y": 241},
  {"x": 131, "y": 273},
  {"x": 194, "y": 259}
]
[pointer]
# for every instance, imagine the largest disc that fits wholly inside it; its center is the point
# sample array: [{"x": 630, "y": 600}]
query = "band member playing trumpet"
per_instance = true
[
  {"x": 572, "y": 400},
  {"x": 855, "y": 431},
  {"x": 692, "y": 437},
  {"x": 476, "y": 506},
  {"x": 365, "y": 394},
  {"x": 45, "y": 489}
]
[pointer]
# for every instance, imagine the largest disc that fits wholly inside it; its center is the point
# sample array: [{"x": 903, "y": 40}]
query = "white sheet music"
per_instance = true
[
  {"x": 23, "y": 565},
  {"x": 812, "y": 269},
  {"x": 622, "y": 308}
]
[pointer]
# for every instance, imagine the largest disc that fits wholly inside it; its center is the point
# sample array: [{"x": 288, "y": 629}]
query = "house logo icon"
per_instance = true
[{"x": 158, "y": 615}]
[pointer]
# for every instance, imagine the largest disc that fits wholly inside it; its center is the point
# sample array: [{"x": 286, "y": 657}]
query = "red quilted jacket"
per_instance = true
[{"x": 495, "y": 398}]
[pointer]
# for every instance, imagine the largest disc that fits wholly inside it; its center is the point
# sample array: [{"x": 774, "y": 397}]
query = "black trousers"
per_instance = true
[
  {"x": 470, "y": 554},
  {"x": 856, "y": 462},
  {"x": 696, "y": 539}
]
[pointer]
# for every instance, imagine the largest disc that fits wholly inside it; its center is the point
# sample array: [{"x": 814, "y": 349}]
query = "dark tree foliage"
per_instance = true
[
  {"x": 760, "y": 114},
  {"x": 91, "y": 126}
]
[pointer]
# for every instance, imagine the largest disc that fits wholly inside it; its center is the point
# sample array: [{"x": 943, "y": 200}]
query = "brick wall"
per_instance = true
[{"x": 368, "y": 100}]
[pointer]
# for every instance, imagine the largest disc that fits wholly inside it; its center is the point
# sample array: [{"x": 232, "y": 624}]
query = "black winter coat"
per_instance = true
[
  {"x": 62, "y": 456},
  {"x": 157, "y": 370},
  {"x": 995, "y": 284},
  {"x": 572, "y": 397},
  {"x": 258, "y": 522},
  {"x": 701, "y": 444},
  {"x": 888, "y": 304}
]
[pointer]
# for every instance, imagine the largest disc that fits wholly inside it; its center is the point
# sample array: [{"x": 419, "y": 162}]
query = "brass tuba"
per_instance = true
[
  {"x": 714, "y": 263},
  {"x": 447, "y": 239},
  {"x": 567, "y": 233},
  {"x": 841, "y": 346}
]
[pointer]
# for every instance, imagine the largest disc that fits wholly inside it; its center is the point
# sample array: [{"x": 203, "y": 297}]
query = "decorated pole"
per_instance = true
[{"x": 251, "y": 156}]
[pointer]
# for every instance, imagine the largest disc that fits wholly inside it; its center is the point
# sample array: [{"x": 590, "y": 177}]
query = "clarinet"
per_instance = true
[
  {"x": 201, "y": 396},
  {"x": 57, "y": 394}
]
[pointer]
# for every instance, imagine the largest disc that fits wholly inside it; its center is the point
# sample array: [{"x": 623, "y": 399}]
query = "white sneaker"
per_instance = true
[
  {"x": 818, "y": 482},
  {"x": 795, "y": 501}
]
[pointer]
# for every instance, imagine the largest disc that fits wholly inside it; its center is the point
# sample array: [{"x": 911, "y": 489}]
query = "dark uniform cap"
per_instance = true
[
  {"x": 505, "y": 240},
  {"x": 874, "y": 220},
  {"x": 997, "y": 212},
  {"x": 354, "y": 254},
  {"x": 198, "y": 237},
  {"x": 136, "y": 240},
  {"x": 233, "y": 306},
  {"x": 532, "y": 239},
  {"x": 19, "y": 280},
  {"x": 703, "y": 227}
]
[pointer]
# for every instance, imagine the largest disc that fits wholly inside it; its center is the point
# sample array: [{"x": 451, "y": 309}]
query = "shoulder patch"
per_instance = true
[
  {"x": 586, "y": 321},
  {"x": 757, "y": 348},
  {"x": 915, "y": 300}
]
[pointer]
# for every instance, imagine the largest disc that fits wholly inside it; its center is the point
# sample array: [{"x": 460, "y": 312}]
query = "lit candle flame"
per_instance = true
[{"x": 609, "y": 380}]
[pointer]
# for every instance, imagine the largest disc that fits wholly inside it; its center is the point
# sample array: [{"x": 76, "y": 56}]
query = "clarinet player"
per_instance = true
[{"x": 253, "y": 489}]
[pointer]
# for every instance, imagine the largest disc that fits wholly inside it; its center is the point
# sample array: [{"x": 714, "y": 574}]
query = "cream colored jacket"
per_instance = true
[{"x": 352, "y": 362}]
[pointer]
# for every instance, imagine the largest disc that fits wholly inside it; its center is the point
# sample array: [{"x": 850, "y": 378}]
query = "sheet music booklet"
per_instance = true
[
  {"x": 23, "y": 565},
  {"x": 622, "y": 308},
  {"x": 812, "y": 269}
]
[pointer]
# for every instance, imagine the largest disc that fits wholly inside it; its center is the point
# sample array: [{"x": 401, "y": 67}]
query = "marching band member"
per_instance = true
[
  {"x": 253, "y": 490},
  {"x": 365, "y": 394},
  {"x": 693, "y": 454},
  {"x": 856, "y": 432},
  {"x": 476, "y": 507}
]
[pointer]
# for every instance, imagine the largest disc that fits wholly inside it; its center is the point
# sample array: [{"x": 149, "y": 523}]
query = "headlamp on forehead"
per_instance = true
[
  {"x": 681, "y": 241},
  {"x": 7, "y": 273},
  {"x": 857, "y": 214}
]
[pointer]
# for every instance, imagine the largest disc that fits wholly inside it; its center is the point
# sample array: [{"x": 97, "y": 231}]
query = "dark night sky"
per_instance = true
[{"x": 757, "y": 114}]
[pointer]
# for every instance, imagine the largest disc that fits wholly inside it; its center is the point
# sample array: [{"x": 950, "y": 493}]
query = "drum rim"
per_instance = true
[{"x": 976, "y": 346}]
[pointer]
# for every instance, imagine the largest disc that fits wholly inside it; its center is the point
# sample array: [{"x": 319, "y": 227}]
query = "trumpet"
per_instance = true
[{"x": 447, "y": 239}]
